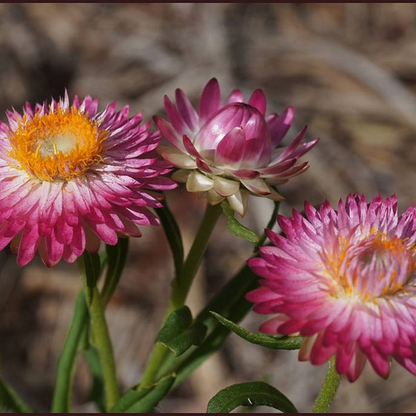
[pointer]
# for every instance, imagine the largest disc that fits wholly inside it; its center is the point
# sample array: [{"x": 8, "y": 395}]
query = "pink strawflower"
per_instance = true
[
  {"x": 346, "y": 281},
  {"x": 71, "y": 176},
  {"x": 230, "y": 150}
]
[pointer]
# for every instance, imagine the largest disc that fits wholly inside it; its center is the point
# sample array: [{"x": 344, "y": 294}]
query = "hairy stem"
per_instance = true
[{"x": 328, "y": 390}]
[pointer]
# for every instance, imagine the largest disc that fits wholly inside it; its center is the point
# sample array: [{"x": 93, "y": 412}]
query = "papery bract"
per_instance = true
[
  {"x": 346, "y": 281},
  {"x": 71, "y": 176},
  {"x": 231, "y": 150}
]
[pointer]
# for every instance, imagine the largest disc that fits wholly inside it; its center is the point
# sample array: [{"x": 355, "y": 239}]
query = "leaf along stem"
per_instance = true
[
  {"x": 116, "y": 259},
  {"x": 182, "y": 284},
  {"x": 10, "y": 402}
]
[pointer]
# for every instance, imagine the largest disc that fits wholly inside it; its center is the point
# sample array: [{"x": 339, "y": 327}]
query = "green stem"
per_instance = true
[
  {"x": 328, "y": 390},
  {"x": 101, "y": 339},
  {"x": 62, "y": 396},
  {"x": 182, "y": 284},
  {"x": 90, "y": 268},
  {"x": 157, "y": 356},
  {"x": 77, "y": 337}
]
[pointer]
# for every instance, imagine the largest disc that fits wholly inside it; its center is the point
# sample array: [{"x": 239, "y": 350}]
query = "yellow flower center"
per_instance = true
[
  {"x": 60, "y": 145},
  {"x": 376, "y": 266}
]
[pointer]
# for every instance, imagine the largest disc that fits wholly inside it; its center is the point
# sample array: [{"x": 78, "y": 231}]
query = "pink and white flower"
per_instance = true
[
  {"x": 230, "y": 150},
  {"x": 71, "y": 176},
  {"x": 346, "y": 281}
]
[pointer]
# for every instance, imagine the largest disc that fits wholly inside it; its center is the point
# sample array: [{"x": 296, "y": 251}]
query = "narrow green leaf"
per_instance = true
[
  {"x": 137, "y": 400},
  {"x": 173, "y": 234},
  {"x": 90, "y": 268},
  {"x": 97, "y": 394},
  {"x": 230, "y": 298},
  {"x": 250, "y": 394},
  {"x": 66, "y": 363},
  {"x": 275, "y": 342},
  {"x": 236, "y": 227},
  {"x": 103, "y": 260},
  {"x": 10, "y": 402},
  {"x": 230, "y": 303},
  {"x": 179, "y": 332},
  {"x": 116, "y": 259}
]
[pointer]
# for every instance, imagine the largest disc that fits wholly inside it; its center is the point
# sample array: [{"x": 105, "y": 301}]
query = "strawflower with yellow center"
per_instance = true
[
  {"x": 60, "y": 145},
  {"x": 71, "y": 176},
  {"x": 346, "y": 281}
]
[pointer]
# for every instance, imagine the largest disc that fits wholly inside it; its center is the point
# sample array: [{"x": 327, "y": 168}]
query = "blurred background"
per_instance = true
[{"x": 350, "y": 72}]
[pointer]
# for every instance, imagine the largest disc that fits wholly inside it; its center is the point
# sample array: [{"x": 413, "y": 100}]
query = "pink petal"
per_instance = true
[
  {"x": 234, "y": 115},
  {"x": 357, "y": 365},
  {"x": 210, "y": 100},
  {"x": 254, "y": 155},
  {"x": 291, "y": 326},
  {"x": 258, "y": 100},
  {"x": 255, "y": 127},
  {"x": 9, "y": 230},
  {"x": 175, "y": 118},
  {"x": 271, "y": 326},
  {"x": 190, "y": 148},
  {"x": 168, "y": 132},
  {"x": 187, "y": 111},
  {"x": 77, "y": 245},
  {"x": 344, "y": 356},
  {"x": 261, "y": 294},
  {"x": 279, "y": 125},
  {"x": 130, "y": 229},
  {"x": 28, "y": 245},
  {"x": 205, "y": 168},
  {"x": 273, "y": 169},
  {"x": 379, "y": 362},
  {"x": 289, "y": 173},
  {"x": 230, "y": 149},
  {"x": 235, "y": 97},
  {"x": 304, "y": 148},
  {"x": 295, "y": 143},
  {"x": 245, "y": 173},
  {"x": 54, "y": 250},
  {"x": 320, "y": 353},
  {"x": 104, "y": 232}
]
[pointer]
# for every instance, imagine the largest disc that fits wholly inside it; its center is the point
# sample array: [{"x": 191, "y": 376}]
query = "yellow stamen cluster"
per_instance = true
[
  {"x": 376, "y": 266},
  {"x": 60, "y": 145}
]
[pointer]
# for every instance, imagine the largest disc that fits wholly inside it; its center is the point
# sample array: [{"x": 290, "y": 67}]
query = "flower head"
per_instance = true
[
  {"x": 71, "y": 176},
  {"x": 346, "y": 281},
  {"x": 231, "y": 150}
]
